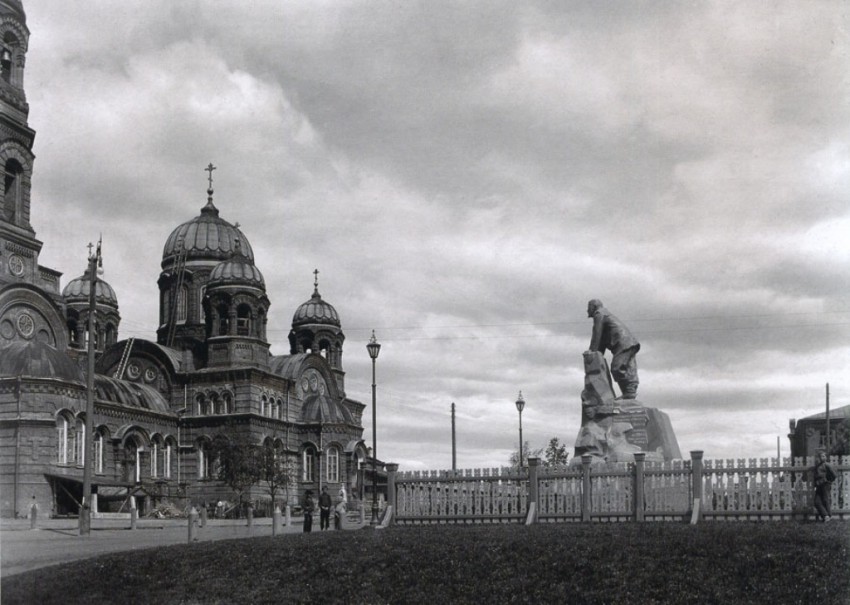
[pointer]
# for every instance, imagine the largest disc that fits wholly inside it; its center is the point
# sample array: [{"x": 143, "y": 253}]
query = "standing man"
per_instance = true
[
  {"x": 612, "y": 334},
  {"x": 324, "y": 509},
  {"x": 307, "y": 505},
  {"x": 823, "y": 476}
]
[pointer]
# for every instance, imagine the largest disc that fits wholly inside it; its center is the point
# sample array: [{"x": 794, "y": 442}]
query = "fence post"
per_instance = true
[
  {"x": 392, "y": 471},
  {"x": 585, "y": 487},
  {"x": 287, "y": 516},
  {"x": 203, "y": 518},
  {"x": 276, "y": 521},
  {"x": 250, "y": 514},
  {"x": 696, "y": 485},
  {"x": 34, "y": 514},
  {"x": 533, "y": 488},
  {"x": 640, "y": 461},
  {"x": 134, "y": 517},
  {"x": 193, "y": 529}
]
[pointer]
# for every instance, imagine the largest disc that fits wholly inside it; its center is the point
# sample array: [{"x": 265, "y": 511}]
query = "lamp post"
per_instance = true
[
  {"x": 374, "y": 348},
  {"x": 95, "y": 265},
  {"x": 520, "y": 404}
]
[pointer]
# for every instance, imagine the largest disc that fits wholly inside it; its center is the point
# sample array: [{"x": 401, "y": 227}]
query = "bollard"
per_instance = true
[
  {"x": 34, "y": 515},
  {"x": 193, "y": 529},
  {"x": 276, "y": 519},
  {"x": 250, "y": 515},
  {"x": 288, "y": 519},
  {"x": 134, "y": 516},
  {"x": 202, "y": 522}
]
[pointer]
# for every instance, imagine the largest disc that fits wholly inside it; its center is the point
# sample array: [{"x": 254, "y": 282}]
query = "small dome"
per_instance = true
[
  {"x": 315, "y": 311},
  {"x": 37, "y": 360},
  {"x": 78, "y": 290},
  {"x": 206, "y": 237},
  {"x": 239, "y": 270}
]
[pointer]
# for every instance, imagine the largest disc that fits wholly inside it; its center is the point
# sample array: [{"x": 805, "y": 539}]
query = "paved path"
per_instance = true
[{"x": 58, "y": 540}]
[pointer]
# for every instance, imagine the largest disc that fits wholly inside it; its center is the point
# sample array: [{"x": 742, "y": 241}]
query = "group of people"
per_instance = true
[{"x": 308, "y": 506}]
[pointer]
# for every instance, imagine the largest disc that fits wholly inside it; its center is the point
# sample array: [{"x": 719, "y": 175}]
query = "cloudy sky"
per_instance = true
[{"x": 465, "y": 176}]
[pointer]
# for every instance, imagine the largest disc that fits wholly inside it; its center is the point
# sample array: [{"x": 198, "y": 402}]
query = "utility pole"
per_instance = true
[
  {"x": 95, "y": 264},
  {"x": 454, "y": 443},
  {"x": 827, "y": 419}
]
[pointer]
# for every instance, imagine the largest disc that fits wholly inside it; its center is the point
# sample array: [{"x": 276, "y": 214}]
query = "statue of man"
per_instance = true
[{"x": 612, "y": 334}]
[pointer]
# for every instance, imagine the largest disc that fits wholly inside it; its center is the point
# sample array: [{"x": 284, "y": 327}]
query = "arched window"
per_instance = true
[
  {"x": 263, "y": 405},
  {"x": 213, "y": 405},
  {"x": 201, "y": 404},
  {"x": 13, "y": 186},
  {"x": 168, "y": 458},
  {"x": 155, "y": 451},
  {"x": 62, "y": 437},
  {"x": 332, "y": 463},
  {"x": 307, "y": 464},
  {"x": 78, "y": 448},
  {"x": 243, "y": 320},
  {"x": 133, "y": 459},
  {"x": 204, "y": 460},
  {"x": 182, "y": 304},
  {"x": 223, "y": 320},
  {"x": 280, "y": 409},
  {"x": 98, "y": 452}
]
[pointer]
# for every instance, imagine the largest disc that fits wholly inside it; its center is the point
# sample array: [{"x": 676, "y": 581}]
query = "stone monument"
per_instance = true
[{"x": 614, "y": 428}]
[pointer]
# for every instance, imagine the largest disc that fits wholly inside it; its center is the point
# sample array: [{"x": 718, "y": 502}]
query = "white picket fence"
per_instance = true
[{"x": 727, "y": 490}]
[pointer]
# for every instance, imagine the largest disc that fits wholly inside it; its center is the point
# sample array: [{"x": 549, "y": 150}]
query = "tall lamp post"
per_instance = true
[
  {"x": 95, "y": 266},
  {"x": 520, "y": 405},
  {"x": 374, "y": 348}
]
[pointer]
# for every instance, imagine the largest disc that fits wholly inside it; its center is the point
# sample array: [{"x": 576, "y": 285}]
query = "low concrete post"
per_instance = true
[
  {"x": 250, "y": 515},
  {"x": 193, "y": 525},
  {"x": 202, "y": 519},
  {"x": 392, "y": 471},
  {"x": 533, "y": 486},
  {"x": 276, "y": 521},
  {"x": 696, "y": 485},
  {"x": 134, "y": 517},
  {"x": 585, "y": 487},
  {"x": 640, "y": 462},
  {"x": 288, "y": 519},
  {"x": 34, "y": 515}
]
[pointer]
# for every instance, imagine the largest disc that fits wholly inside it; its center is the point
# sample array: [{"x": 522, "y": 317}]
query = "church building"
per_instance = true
[{"x": 162, "y": 405}]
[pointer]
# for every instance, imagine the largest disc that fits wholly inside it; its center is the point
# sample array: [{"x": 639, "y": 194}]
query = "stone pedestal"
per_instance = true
[{"x": 631, "y": 428}]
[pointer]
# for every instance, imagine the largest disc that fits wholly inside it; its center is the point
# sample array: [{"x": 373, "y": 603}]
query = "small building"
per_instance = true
[{"x": 809, "y": 434}]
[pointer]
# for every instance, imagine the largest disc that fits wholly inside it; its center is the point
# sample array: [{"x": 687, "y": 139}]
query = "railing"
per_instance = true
[{"x": 683, "y": 489}]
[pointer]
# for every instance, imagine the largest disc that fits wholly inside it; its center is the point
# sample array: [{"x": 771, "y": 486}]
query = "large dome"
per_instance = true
[
  {"x": 78, "y": 289},
  {"x": 206, "y": 237},
  {"x": 15, "y": 7},
  {"x": 315, "y": 311}
]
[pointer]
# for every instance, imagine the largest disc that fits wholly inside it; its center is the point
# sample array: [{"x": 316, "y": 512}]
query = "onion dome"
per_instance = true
[
  {"x": 77, "y": 291},
  {"x": 238, "y": 270},
  {"x": 35, "y": 359},
  {"x": 206, "y": 237},
  {"x": 315, "y": 310}
]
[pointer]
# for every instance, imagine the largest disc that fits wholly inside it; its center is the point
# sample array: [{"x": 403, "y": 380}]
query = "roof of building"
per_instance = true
[
  {"x": 841, "y": 412},
  {"x": 322, "y": 409},
  {"x": 13, "y": 6},
  {"x": 130, "y": 394},
  {"x": 35, "y": 359},
  {"x": 206, "y": 237}
]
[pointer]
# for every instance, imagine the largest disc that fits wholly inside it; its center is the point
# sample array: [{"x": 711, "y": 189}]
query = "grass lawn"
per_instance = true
[{"x": 774, "y": 563}]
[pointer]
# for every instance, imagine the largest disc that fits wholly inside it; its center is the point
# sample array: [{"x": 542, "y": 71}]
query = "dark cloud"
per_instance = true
[{"x": 465, "y": 177}]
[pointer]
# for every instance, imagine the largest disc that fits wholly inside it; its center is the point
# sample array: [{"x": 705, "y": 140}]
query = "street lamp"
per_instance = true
[
  {"x": 374, "y": 348},
  {"x": 520, "y": 404}
]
